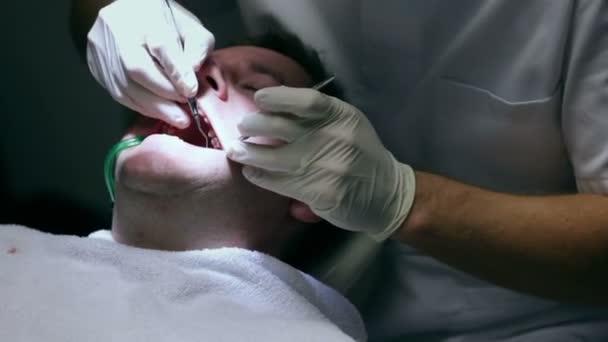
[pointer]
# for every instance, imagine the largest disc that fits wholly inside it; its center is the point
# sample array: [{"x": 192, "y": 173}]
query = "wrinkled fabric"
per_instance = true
[{"x": 66, "y": 288}]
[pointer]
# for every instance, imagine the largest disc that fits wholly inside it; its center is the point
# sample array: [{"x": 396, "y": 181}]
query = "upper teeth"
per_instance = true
[
  {"x": 215, "y": 143},
  {"x": 212, "y": 139}
]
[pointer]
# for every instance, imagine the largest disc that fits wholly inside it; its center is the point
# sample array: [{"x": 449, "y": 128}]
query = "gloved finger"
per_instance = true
[
  {"x": 269, "y": 158},
  {"x": 302, "y": 102},
  {"x": 157, "y": 107},
  {"x": 142, "y": 68},
  {"x": 179, "y": 70},
  {"x": 271, "y": 126}
]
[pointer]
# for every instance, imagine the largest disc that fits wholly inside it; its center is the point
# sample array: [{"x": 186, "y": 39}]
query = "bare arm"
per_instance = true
[{"x": 554, "y": 246}]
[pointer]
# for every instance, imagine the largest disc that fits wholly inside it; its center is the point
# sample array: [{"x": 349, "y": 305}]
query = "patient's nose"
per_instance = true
[{"x": 211, "y": 79}]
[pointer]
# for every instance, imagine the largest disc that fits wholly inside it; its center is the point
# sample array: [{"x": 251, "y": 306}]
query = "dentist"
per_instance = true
[{"x": 482, "y": 156}]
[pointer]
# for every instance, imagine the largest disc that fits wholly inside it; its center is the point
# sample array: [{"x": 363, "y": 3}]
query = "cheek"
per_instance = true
[{"x": 225, "y": 115}]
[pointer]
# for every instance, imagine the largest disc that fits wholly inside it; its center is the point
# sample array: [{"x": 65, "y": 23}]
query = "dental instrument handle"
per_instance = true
[{"x": 324, "y": 83}]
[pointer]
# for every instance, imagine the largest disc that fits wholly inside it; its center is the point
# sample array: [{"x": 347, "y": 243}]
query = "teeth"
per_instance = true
[{"x": 213, "y": 140}]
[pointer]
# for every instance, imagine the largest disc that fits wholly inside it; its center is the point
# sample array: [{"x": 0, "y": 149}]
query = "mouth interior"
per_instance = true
[{"x": 193, "y": 136}]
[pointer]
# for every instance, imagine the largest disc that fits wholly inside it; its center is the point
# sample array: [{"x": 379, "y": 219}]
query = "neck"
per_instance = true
[{"x": 162, "y": 234}]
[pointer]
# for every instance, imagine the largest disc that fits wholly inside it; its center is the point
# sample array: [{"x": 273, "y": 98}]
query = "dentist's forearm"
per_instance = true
[{"x": 553, "y": 246}]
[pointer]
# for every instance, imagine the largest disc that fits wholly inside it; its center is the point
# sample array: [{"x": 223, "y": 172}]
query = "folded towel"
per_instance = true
[{"x": 66, "y": 288}]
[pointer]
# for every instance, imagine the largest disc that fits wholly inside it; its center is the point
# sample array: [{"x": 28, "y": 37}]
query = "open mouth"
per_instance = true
[{"x": 207, "y": 138}]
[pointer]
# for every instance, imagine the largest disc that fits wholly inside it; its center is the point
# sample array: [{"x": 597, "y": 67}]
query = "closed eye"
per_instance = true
[
  {"x": 248, "y": 87},
  {"x": 259, "y": 81}
]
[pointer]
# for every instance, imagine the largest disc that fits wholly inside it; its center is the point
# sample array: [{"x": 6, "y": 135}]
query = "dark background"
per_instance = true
[{"x": 57, "y": 123}]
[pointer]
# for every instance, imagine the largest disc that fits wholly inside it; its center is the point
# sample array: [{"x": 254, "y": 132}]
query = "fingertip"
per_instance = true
[
  {"x": 266, "y": 97},
  {"x": 235, "y": 151},
  {"x": 182, "y": 122},
  {"x": 178, "y": 119},
  {"x": 268, "y": 91}
]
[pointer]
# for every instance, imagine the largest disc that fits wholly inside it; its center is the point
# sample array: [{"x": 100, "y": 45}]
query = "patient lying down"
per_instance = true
[{"x": 178, "y": 207}]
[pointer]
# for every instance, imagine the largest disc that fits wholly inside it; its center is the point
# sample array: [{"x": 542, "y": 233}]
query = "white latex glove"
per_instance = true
[
  {"x": 333, "y": 160},
  {"x": 133, "y": 51}
]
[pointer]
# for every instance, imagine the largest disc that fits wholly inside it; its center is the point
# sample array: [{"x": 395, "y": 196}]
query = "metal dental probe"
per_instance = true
[
  {"x": 317, "y": 86},
  {"x": 324, "y": 83},
  {"x": 191, "y": 101}
]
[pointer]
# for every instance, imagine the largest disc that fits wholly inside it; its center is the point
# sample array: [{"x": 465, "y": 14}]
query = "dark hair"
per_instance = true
[{"x": 279, "y": 40}]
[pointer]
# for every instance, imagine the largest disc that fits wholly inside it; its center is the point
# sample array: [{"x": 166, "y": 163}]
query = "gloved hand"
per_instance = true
[
  {"x": 134, "y": 52},
  {"x": 332, "y": 161}
]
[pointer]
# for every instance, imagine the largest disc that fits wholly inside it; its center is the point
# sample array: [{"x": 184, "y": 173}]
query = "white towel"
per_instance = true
[{"x": 66, "y": 288}]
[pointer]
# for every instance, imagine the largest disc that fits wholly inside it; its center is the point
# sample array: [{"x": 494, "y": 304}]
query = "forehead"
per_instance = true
[{"x": 245, "y": 60}]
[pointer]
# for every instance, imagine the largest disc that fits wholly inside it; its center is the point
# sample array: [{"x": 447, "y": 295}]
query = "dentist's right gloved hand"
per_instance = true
[{"x": 134, "y": 53}]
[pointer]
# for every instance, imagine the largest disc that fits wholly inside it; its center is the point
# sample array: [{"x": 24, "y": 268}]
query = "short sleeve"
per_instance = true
[{"x": 585, "y": 102}]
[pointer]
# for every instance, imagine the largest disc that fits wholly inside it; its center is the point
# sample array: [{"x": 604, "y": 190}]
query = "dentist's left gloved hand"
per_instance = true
[{"x": 333, "y": 160}]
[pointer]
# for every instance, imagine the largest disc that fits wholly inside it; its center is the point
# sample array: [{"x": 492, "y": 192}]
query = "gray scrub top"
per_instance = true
[{"x": 508, "y": 95}]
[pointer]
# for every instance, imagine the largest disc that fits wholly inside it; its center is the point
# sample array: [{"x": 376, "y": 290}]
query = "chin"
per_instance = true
[
  {"x": 165, "y": 164},
  {"x": 171, "y": 161},
  {"x": 174, "y": 193}
]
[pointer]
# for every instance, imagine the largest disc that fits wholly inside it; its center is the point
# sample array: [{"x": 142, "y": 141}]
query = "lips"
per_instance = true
[{"x": 192, "y": 135}]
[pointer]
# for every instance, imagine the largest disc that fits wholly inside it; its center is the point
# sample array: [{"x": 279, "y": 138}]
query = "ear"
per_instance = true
[{"x": 302, "y": 212}]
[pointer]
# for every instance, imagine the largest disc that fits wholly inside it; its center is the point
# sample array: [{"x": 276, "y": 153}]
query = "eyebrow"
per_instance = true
[{"x": 263, "y": 69}]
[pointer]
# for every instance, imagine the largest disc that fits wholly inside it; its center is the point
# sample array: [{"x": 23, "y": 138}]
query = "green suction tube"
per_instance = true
[{"x": 110, "y": 161}]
